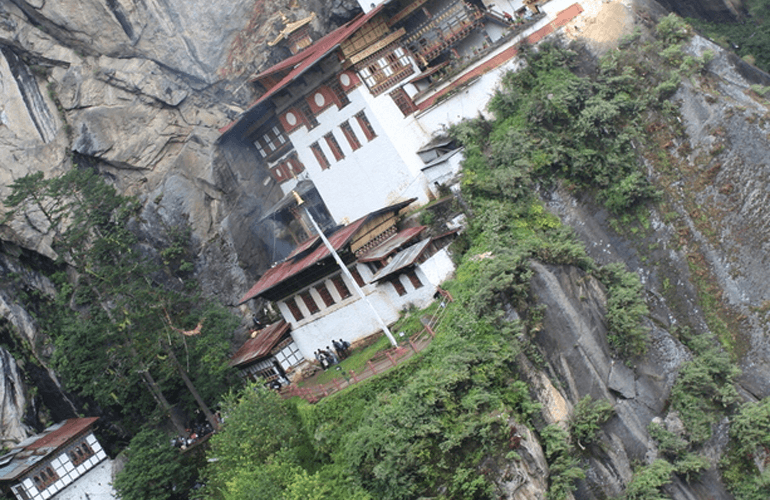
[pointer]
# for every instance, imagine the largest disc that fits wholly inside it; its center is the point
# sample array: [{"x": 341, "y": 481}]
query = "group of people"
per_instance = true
[
  {"x": 194, "y": 433},
  {"x": 328, "y": 357}
]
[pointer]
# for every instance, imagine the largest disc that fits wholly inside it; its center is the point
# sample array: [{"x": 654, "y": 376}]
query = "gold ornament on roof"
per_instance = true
[{"x": 290, "y": 27}]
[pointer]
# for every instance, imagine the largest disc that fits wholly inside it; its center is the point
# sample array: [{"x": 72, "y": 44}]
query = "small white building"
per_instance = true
[
  {"x": 268, "y": 356},
  {"x": 394, "y": 269},
  {"x": 64, "y": 462}
]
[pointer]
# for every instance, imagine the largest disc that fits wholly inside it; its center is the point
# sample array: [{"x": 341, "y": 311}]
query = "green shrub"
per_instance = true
[
  {"x": 647, "y": 481},
  {"x": 588, "y": 417},
  {"x": 673, "y": 29},
  {"x": 154, "y": 469},
  {"x": 704, "y": 389},
  {"x": 749, "y": 437},
  {"x": 562, "y": 463},
  {"x": 625, "y": 310}
]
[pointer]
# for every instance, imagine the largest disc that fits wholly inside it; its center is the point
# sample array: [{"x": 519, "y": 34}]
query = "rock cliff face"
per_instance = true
[
  {"x": 139, "y": 89},
  {"x": 715, "y": 232},
  {"x": 710, "y": 10}
]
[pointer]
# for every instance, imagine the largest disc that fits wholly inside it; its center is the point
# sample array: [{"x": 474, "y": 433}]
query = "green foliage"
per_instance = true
[
  {"x": 669, "y": 444},
  {"x": 625, "y": 310},
  {"x": 748, "y": 36},
  {"x": 588, "y": 417},
  {"x": 414, "y": 436},
  {"x": 749, "y": 442},
  {"x": 554, "y": 124},
  {"x": 154, "y": 470},
  {"x": 564, "y": 468},
  {"x": 691, "y": 465},
  {"x": 258, "y": 425},
  {"x": 672, "y": 29},
  {"x": 647, "y": 481},
  {"x": 704, "y": 388},
  {"x": 629, "y": 191},
  {"x": 115, "y": 325}
]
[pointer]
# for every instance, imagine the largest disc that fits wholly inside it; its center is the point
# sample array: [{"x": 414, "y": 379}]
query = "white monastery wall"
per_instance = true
[
  {"x": 351, "y": 319},
  {"x": 93, "y": 485},
  {"x": 367, "y": 179},
  {"x": 67, "y": 473},
  {"x": 438, "y": 268}
]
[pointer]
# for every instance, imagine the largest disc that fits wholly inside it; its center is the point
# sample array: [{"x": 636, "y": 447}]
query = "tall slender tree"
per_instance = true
[{"x": 112, "y": 320}]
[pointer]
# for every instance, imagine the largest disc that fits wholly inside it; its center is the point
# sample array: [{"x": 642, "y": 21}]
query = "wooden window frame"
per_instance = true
[
  {"x": 310, "y": 119},
  {"x": 338, "y": 92},
  {"x": 357, "y": 276},
  {"x": 45, "y": 478},
  {"x": 398, "y": 286},
  {"x": 80, "y": 453},
  {"x": 331, "y": 141},
  {"x": 365, "y": 125},
  {"x": 21, "y": 491},
  {"x": 326, "y": 295},
  {"x": 342, "y": 287},
  {"x": 294, "y": 308},
  {"x": 310, "y": 303},
  {"x": 320, "y": 156},
  {"x": 403, "y": 101},
  {"x": 350, "y": 135},
  {"x": 414, "y": 279}
]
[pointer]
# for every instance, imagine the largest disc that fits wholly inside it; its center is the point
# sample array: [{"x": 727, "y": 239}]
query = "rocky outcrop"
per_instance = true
[
  {"x": 139, "y": 91},
  {"x": 12, "y": 402},
  {"x": 717, "y": 228},
  {"x": 574, "y": 340},
  {"x": 710, "y": 10}
]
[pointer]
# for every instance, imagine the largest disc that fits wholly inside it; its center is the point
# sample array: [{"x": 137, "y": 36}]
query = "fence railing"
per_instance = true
[{"x": 380, "y": 363}]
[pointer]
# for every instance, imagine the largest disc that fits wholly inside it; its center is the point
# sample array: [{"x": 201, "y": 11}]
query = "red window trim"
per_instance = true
[
  {"x": 310, "y": 302},
  {"x": 341, "y": 287},
  {"x": 331, "y": 141},
  {"x": 414, "y": 279},
  {"x": 350, "y": 135},
  {"x": 320, "y": 156},
  {"x": 325, "y": 294},
  {"x": 366, "y": 125},
  {"x": 294, "y": 308},
  {"x": 357, "y": 276},
  {"x": 400, "y": 289}
]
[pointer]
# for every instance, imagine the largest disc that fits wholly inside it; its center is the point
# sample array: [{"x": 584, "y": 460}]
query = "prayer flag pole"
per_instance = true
[{"x": 345, "y": 270}]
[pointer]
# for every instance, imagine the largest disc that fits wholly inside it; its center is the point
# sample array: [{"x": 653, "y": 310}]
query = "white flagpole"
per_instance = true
[{"x": 346, "y": 271}]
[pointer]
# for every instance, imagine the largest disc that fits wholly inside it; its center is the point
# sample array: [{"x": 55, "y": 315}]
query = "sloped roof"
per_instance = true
[
  {"x": 402, "y": 259},
  {"x": 37, "y": 448},
  {"x": 261, "y": 345},
  {"x": 297, "y": 64},
  {"x": 391, "y": 244},
  {"x": 313, "y": 251}
]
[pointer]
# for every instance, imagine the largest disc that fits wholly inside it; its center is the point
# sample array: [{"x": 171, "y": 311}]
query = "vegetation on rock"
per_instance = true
[{"x": 119, "y": 310}]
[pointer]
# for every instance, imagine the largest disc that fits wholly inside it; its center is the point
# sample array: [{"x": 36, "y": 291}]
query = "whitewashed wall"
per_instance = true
[
  {"x": 438, "y": 268},
  {"x": 351, "y": 319},
  {"x": 93, "y": 485},
  {"x": 70, "y": 474}
]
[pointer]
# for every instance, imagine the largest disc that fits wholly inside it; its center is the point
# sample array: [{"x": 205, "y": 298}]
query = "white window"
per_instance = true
[
  {"x": 269, "y": 141},
  {"x": 260, "y": 149},
  {"x": 279, "y": 135}
]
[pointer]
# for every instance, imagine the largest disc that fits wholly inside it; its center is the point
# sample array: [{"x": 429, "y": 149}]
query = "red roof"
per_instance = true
[
  {"x": 295, "y": 263},
  {"x": 302, "y": 61},
  {"x": 313, "y": 251},
  {"x": 261, "y": 345},
  {"x": 63, "y": 434}
]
